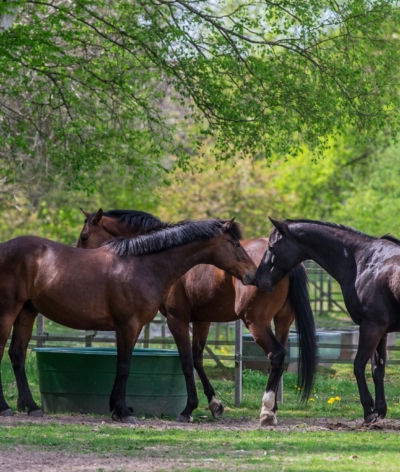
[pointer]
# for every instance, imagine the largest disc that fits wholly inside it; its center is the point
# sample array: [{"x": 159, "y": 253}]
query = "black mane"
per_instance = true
[
  {"x": 387, "y": 237},
  {"x": 391, "y": 238},
  {"x": 135, "y": 219},
  {"x": 167, "y": 236},
  {"x": 330, "y": 225}
]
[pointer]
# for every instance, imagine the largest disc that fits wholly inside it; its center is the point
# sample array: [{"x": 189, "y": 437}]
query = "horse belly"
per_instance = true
[
  {"x": 219, "y": 311},
  {"x": 210, "y": 293},
  {"x": 70, "y": 312}
]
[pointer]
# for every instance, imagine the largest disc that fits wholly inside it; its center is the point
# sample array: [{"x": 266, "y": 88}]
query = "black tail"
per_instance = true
[{"x": 308, "y": 354}]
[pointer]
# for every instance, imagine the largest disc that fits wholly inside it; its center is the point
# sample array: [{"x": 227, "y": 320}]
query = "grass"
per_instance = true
[
  {"x": 208, "y": 446},
  {"x": 295, "y": 450}
]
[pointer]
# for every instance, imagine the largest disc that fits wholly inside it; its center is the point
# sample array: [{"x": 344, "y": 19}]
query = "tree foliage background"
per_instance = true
[{"x": 113, "y": 96}]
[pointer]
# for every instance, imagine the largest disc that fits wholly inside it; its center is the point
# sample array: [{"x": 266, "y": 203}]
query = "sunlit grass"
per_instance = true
[{"x": 297, "y": 448}]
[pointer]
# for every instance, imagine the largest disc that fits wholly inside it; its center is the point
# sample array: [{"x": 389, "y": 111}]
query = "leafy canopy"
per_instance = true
[{"x": 87, "y": 81}]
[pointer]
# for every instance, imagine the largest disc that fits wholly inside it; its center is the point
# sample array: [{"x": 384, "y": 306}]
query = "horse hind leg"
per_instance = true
[
  {"x": 200, "y": 333},
  {"x": 378, "y": 362},
  {"x": 22, "y": 333},
  {"x": 369, "y": 346}
]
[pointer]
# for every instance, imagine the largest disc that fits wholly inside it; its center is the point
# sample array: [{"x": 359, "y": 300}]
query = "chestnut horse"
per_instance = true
[
  {"x": 205, "y": 294},
  {"x": 368, "y": 271},
  {"x": 118, "y": 287}
]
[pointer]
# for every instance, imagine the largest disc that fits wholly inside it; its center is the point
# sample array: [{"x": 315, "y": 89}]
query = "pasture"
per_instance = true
[{"x": 326, "y": 434}]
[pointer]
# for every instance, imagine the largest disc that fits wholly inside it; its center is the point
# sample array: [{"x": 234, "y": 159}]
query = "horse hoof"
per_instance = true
[
  {"x": 36, "y": 413},
  {"x": 372, "y": 418},
  {"x": 185, "y": 419},
  {"x": 268, "y": 419},
  {"x": 128, "y": 420},
  {"x": 7, "y": 412},
  {"x": 216, "y": 408},
  {"x": 123, "y": 419}
]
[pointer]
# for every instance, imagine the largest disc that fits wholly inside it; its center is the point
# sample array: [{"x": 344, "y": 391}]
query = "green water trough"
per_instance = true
[{"x": 80, "y": 380}]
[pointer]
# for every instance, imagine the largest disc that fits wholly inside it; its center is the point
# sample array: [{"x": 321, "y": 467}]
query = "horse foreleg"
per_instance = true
[
  {"x": 6, "y": 322},
  {"x": 21, "y": 336},
  {"x": 378, "y": 363},
  {"x": 180, "y": 331},
  {"x": 126, "y": 339},
  {"x": 275, "y": 352},
  {"x": 370, "y": 338},
  {"x": 200, "y": 334}
]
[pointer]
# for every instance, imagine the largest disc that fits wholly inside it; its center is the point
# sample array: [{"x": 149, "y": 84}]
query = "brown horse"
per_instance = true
[
  {"x": 117, "y": 287},
  {"x": 205, "y": 294}
]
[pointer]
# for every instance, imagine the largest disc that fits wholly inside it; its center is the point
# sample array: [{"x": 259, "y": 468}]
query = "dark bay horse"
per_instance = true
[
  {"x": 117, "y": 287},
  {"x": 205, "y": 294},
  {"x": 368, "y": 271}
]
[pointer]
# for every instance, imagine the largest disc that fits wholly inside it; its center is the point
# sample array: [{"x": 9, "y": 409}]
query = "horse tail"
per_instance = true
[{"x": 307, "y": 337}]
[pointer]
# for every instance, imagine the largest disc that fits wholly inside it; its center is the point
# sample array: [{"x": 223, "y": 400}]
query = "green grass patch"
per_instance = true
[
  {"x": 208, "y": 445},
  {"x": 295, "y": 450}
]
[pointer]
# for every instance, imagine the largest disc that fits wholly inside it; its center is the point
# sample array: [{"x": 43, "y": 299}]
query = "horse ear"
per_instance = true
[
  {"x": 228, "y": 224},
  {"x": 281, "y": 226},
  {"x": 86, "y": 213},
  {"x": 97, "y": 217}
]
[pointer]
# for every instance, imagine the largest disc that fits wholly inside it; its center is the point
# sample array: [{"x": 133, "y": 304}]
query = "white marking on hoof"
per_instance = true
[
  {"x": 267, "y": 416},
  {"x": 216, "y": 408},
  {"x": 268, "y": 400},
  {"x": 268, "y": 419}
]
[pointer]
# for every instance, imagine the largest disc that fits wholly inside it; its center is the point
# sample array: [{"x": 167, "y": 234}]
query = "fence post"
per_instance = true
[
  {"x": 89, "y": 335},
  {"x": 40, "y": 329},
  {"x": 146, "y": 336},
  {"x": 163, "y": 331},
  {"x": 217, "y": 333},
  {"x": 238, "y": 362}
]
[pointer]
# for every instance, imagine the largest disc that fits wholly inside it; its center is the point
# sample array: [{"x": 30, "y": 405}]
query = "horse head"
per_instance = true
[{"x": 283, "y": 255}]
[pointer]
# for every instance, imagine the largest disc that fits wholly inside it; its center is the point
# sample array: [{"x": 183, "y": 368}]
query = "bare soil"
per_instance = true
[{"x": 23, "y": 458}]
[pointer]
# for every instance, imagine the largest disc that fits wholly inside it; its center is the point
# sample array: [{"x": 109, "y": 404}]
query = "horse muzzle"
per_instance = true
[
  {"x": 264, "y": 287},
  {"x": 249, "y": 279}
]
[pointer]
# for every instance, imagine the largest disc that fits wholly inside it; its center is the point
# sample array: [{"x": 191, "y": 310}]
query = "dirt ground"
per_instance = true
[{"x": 22, "y": 459}]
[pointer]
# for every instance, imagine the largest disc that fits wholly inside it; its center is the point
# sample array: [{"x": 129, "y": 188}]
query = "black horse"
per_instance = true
[{"x": 368, "y": 271}]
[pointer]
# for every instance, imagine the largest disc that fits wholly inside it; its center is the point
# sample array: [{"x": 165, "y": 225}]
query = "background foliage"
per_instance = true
[
  {"x": 84, "y": 82},
  {"x": 124, "y": 104},
  {"x": 350, "y": 185}
]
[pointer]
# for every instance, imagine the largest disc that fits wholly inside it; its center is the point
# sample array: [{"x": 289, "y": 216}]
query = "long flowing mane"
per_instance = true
[
  {"x": 135, "y": 219},
  {"x": 386, "y": 237},
  {"x": 167, "y": 236}
]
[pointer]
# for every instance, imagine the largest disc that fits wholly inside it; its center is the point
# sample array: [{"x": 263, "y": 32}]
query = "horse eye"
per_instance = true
[{"x": 84, "y": 237}]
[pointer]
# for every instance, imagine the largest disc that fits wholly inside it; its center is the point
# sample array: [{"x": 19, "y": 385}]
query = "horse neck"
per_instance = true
[
  {"x": 334, "y": 249},
  {"x": 174, "y": 263}
]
